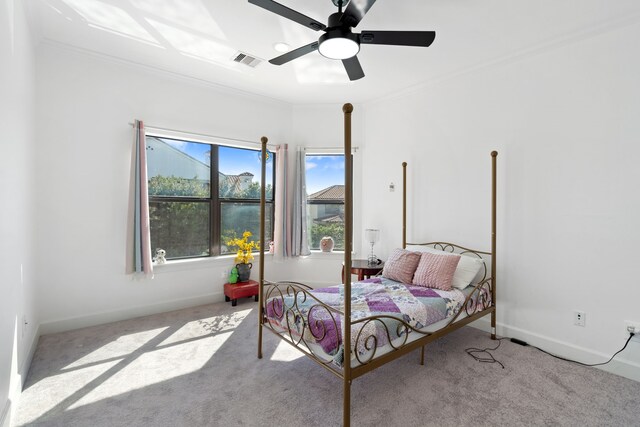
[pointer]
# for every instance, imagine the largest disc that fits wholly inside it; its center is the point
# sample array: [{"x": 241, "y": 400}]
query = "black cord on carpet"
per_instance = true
[
  {"x": 477, "y": 352},
  {"x": 631, "y": 334},
  {"x": 489, "y": 358}
]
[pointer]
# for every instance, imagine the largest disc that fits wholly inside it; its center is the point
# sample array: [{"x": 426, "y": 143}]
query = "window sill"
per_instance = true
[
  {"x": 224, "y": 261},
  {"x": 328, "y": 255}
]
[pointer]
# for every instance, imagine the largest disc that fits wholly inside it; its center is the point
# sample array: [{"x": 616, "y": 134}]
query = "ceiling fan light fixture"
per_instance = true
[{"x": 338, "y": 46}]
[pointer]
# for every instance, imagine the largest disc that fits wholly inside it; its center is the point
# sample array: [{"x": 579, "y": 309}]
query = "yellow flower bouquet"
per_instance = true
[{"x": 245, "y": 247}]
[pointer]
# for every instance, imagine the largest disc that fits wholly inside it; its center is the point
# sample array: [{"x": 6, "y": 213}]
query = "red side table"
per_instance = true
[{"x": 233, "y": 291}]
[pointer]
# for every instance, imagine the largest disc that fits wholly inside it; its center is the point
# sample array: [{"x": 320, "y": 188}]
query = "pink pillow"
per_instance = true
[
  {"x": 401, "y": 265},
  {"x": 436, "y": 271}
]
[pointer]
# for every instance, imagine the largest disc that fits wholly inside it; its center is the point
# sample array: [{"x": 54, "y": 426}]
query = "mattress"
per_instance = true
[{"x": 313, "y": 318}]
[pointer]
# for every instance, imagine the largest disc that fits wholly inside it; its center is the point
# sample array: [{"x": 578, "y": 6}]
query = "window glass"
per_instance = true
[
  {"x": 325, "y": 199},
  {"x": 191, "y": 218},
  {"x": 240, "y": 217},
  {"x": 178, "y": 168},
  {"x": 182, "y": 229},
  {"x": 240, "y": 176}
]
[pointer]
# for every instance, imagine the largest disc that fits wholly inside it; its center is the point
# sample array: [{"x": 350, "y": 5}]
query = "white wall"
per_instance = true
[
  {"x": 565, "y": 122},
  {"x": 83, "y": 177},
  {"x": 16, "y": 193}
]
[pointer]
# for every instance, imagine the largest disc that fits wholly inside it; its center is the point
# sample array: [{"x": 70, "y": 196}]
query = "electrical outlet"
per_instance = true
[
  {"x": 224, "y": 274},
  {"x": 630, "y": 326},
  {"x": 579, "y": 318}
]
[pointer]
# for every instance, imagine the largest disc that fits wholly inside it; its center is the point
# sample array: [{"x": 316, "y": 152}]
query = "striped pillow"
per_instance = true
[
  {"x": 401, "y": 265},
  {"x": 436, "y": 271}
]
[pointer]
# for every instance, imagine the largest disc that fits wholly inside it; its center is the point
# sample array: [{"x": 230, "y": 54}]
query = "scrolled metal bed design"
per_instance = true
[{"x": 318, "y": 326}]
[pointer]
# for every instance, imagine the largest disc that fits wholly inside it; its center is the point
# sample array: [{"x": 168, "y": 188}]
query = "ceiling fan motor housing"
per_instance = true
[{"x": 339, "y": 42}]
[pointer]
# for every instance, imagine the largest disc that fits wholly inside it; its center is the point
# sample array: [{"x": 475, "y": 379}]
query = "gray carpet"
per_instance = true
[{"x": 198, "y": 367}]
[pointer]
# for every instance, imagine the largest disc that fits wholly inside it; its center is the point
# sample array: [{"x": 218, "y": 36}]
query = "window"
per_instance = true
[
  {"x": 325, "y": 199},
  {"x": 201, "y": 195}
]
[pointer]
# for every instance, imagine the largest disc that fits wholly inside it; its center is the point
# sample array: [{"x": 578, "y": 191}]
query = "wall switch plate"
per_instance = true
[{"x": 579, "y": 318}]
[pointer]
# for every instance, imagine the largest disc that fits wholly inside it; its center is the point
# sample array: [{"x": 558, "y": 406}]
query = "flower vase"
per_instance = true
[
  {"x": 244, "y": 271},
  {"x": 326, "y": 244}
]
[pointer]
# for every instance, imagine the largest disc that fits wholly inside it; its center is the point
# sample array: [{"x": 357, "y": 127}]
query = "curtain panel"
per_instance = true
[
  {"x": 282, "y": 216},
  {"x": 300, "y": 242},
  {"x": 142, "y": 262}
]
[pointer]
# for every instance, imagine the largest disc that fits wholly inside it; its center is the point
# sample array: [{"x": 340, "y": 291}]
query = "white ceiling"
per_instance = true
[{"x": 199, "y": 38}]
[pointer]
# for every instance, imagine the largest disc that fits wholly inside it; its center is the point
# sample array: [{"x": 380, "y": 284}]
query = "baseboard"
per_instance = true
[
  {"x": 618, "y": 366},
  {"x": 5, "y": 417},
  {"x": 25, "y": 363},
  {"x": 62, "y": 325}
]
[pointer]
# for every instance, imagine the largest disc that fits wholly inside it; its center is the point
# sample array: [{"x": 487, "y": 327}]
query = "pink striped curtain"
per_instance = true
[
  {"x": 282, "y": 216},
  {"x": 299, "y": 238},
  {"x": 142, "y": 262}
]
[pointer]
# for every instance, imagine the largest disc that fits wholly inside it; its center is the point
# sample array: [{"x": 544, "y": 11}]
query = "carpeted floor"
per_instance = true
[{"x": 198, "y": 367}]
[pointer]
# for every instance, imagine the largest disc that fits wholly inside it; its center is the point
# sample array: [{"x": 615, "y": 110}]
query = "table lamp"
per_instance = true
[{"x": 372, "y": 235}]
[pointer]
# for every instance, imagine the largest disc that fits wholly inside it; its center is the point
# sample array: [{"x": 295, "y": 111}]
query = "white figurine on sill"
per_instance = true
[{"x": 160, "y": 256}]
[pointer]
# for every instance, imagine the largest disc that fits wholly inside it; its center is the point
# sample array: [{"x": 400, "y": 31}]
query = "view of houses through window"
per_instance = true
[
  {"x": 202, "y": 195},
  {"x": 325, "y": 199}
]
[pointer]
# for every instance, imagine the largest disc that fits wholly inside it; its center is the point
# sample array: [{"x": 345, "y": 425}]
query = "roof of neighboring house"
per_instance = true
[
  {"x": 336, "y": 218},
  {"x": 335, "y": 192}
]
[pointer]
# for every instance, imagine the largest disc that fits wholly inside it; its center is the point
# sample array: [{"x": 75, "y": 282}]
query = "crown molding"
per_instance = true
[
  {"x": 161, "y": 72},
  {"x": 557, "y": 43}
]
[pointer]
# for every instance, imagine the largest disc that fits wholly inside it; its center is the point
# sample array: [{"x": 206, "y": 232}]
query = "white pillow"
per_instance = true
[{"x": 467, "y": 268}]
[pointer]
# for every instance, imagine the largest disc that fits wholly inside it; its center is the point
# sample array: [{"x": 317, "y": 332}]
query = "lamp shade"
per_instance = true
[{"x": 372, "y": 235}]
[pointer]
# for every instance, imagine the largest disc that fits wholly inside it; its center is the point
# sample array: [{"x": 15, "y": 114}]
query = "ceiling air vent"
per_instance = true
[{"x": 247, "y": 59}]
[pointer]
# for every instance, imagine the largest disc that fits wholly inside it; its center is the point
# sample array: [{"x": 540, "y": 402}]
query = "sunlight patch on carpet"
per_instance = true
[
  {"x": 157, "y": 366},
  {"x": 285, "y": 353},
  {"x": 123, "y": 346},
  {"x": 207, "y": 326},
  {"x": 52, "y": 391}
]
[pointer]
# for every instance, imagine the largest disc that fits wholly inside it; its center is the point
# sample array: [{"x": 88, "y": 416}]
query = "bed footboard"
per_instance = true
[{"x": 300, "y": 318}]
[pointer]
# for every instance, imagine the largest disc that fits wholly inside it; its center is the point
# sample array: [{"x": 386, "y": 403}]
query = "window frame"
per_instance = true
[
  {"x": 312, "y": 153},
  {"x": 214, "y": 200}
]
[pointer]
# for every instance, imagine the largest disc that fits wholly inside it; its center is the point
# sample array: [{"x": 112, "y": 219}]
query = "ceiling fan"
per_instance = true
[{"x": 339, "y": 42}]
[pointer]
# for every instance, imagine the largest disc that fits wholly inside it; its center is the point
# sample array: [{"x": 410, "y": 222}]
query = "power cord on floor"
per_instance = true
[
  {"x": 631, "y": 334},
  {"x": 477, "y": 352},
  {"x": 483, "y": 355}
]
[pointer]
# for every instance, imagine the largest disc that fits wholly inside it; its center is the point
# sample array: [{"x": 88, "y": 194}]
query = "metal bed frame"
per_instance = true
[{"x": 477, "y": 304}]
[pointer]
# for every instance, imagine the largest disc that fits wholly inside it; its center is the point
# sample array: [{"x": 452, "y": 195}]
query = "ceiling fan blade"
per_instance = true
[
  {"x": 355, "y": 11},
  {"x": 354, "y": 70},
  {"x": 399, "y": 38},
  {"x": 291, "y": 14},
  {"x": 296, "y": 53}
]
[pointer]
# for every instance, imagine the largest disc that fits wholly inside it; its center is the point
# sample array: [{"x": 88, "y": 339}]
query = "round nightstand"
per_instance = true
[{"x": 363, "y": 269}]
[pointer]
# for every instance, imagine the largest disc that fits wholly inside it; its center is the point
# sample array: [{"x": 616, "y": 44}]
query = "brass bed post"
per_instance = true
[
  {"x": 494, "y": 155},
  {"x": 348, "y": 246},
  {"x": 404, "y": 205},
  {"x": 404, "y": 227},
  {"x": 261, "y": 269}
]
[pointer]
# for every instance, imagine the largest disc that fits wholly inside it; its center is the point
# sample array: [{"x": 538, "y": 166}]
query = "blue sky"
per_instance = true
[
  {"x": 233, "y": 161},
  {"x": 324, "y": 171}
]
